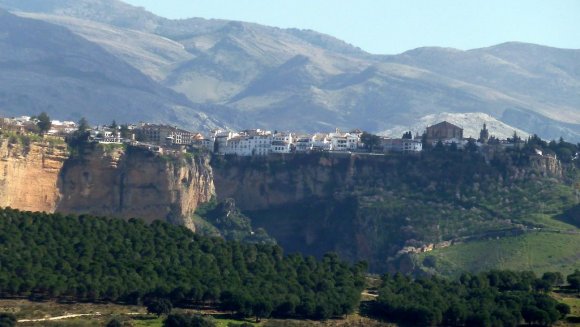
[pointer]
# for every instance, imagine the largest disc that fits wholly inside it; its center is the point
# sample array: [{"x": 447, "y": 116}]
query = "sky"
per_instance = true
[{"x": 395, "y": 26}]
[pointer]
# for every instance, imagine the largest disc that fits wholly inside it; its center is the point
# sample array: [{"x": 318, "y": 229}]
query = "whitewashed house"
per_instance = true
[
  {"x": 304, "y": 143},
  {"x": 402, "y": 145},
  {"x": 62, "y": 127},
  {"x": 321, "y": 142},
  {"x": 282, "y": 143},
  {"x": 221, "y": 139},
  {"x": 343, "y": 141},
  {"x": 248, "y": 143}
]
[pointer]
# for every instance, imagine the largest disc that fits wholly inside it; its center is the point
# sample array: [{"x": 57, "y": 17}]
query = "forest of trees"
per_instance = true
[
  {"x": 495, "y": 298},
  {"x": 87, "y": 258}
]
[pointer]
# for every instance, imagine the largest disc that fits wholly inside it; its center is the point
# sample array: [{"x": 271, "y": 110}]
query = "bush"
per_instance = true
[
  {"x": 159, "y": 307},
  {"x": 184, "y": 320},
  {"x": 114, "y": 323},
  {"x": 7, "y": 320},
  {"x": 243, "y": 324}
]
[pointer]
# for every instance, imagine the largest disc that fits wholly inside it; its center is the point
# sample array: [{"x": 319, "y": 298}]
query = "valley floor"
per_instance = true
[{"x": 54, "y": 314}]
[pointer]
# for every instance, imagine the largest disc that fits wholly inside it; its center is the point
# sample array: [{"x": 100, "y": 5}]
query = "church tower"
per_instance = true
[{"x": 484, "y": 134}]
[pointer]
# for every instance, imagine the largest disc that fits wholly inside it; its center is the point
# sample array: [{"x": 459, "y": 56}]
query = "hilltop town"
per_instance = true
[{"x": 257, "y": 142}]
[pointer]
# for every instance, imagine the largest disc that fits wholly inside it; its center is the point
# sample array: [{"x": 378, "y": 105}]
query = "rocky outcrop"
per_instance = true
[
  {"x": 103, "y": 181},
  {"x": 29, "y": 174},
  {"x": 547, "y": 165},
  {"x": 136, "y": 183}
]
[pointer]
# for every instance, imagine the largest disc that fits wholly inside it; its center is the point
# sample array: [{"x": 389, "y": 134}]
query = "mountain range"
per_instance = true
[{"x": 105, "y": 60}]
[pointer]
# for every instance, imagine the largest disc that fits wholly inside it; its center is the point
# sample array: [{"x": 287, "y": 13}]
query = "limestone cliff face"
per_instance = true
[
  {"x": 29, "y": 175},
  {"x": 258, "y": 183},
  {"x": 135, "y": 183},
  {"x": 371, "y": 207}
]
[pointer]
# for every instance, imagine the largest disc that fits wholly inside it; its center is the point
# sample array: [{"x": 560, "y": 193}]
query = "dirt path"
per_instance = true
[
  {"x": 369, "y": 294},
  {"x": 61, "y": 317}
]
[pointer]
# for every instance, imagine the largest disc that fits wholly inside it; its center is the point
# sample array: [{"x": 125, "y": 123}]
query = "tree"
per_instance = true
[
  {"x": 471, "y": 146},
  {"x": 177, "y": 320},
  {"x": 7, "y": 320},
  {"x": 370, "y": 141},
  {"x": 43, "y": 123},
  {"x": 201, "y": 321},
  {"x": 83, "y": 125},
  {"x": 563, "y": 309},
  {"x": 439, "y": 147},
  {"x": 453, "y": 147},
  {"x": 542, "y": 285},
  {"x": 81, "y": 135},
  {"x": 532, "y": 314},
  {"x": 262, "y": 309},
  {"x": 425, "y": 142},
  {"x": 114, "y": 323},
  {"x": 554, "y": 278},
  {"x": 479, "y": 319},
  {"x": 159, "y": 307},
  {"x": 125, "y": 131},
  {"x": 408, "y": 135},
  {"x": 574, "y": 280}
]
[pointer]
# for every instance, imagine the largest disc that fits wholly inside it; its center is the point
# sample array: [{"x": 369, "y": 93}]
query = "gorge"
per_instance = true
[{"x": 364, "y": 207}]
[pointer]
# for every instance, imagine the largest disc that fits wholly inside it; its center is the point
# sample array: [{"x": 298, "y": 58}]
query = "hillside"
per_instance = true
[
  {"x": 248, "y": 75},
  {"x": 97, "y": 259},
  {"x": 47, "y": 68}
]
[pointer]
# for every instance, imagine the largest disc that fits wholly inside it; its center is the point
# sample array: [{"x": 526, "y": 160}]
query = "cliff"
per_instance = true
[
  {"x": 371, "y": 207},
  {"x": 103, "y": 181},
  {"x": 29, "y": 174},
  {"x": 135, "y": 183},
  {"x": 258, "y": 183}
]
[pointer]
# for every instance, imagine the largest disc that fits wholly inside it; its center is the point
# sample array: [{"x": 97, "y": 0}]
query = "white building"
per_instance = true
[
  {"x": 246, "y": 143},
  {"x": 460, "y": 143},
  {"x": 282, "y": 143},
  {"x": 221, "y": 139},
  {"x": 402, "y": 145},
  {"x": 321, "y": 142},
  {"x": 164, "y": 134},
  {"x": 58, "y": 127},
  {"x": 344, "y": 141},
  {"x": 304, "y": 143}
]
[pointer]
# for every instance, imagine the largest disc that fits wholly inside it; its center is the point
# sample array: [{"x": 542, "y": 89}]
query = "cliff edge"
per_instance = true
[
  {"x": 29, "y": 173},
  {"x": 135, "y": 183},
  {"x": 109, "y": 180}
]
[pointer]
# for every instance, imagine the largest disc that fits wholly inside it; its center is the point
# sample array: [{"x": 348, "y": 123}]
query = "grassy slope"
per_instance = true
[{"x": 536, "y": 251}]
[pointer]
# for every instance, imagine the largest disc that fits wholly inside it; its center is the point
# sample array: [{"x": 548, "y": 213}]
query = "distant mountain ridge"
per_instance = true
[
  {"x": 249, "y": 75},
  {"x": 47, "y": 68}
]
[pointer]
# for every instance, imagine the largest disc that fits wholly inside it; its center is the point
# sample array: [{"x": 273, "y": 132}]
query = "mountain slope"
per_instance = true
[
  {"x": 470, "y": 122},
  {"x": 48, "y": 68},
  {"x": 151, "y": 54},
  {"x": 303, "y": 80}
]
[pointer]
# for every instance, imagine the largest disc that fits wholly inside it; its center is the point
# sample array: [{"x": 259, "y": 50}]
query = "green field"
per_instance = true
[{"x": 535, "y": 251}]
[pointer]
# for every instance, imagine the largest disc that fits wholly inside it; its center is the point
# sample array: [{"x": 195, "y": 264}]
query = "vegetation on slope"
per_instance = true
[
  {"x": 226, "y": 220},
  {"x": 441, "y": 197},
  {"x": 536, "y": 251},
  {"x": 96, "y": 259},
  {"x": 495, "y": 298}
]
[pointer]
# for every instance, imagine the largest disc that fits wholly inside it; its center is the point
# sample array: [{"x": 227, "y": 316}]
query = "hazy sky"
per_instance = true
[{"x": 394, "y": 26}]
